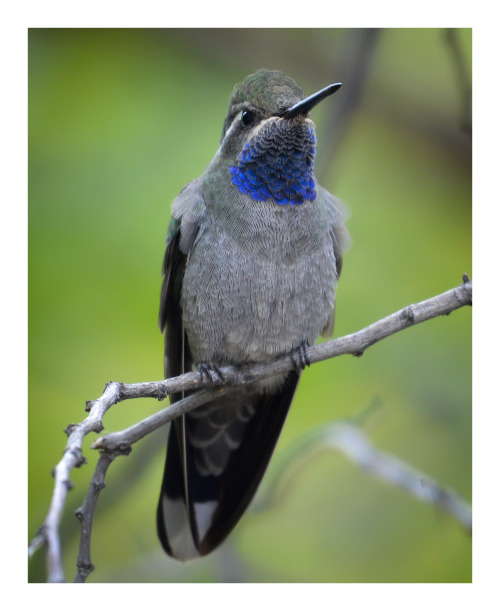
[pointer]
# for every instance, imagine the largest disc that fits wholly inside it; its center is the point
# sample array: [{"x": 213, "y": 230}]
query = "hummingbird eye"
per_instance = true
[{"x": 247, "y": 118}]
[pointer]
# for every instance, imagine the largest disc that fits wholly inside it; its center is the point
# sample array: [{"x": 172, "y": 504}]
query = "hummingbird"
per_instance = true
[{"x": 253, "y": 255}]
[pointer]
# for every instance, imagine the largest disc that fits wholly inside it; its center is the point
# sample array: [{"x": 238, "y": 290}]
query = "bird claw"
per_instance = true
[
  {"x": 211, "y": 373},
  {"x": 300, "y": 356}
]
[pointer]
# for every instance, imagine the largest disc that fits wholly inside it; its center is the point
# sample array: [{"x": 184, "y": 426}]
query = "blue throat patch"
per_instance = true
[{"x": 277, "y": 165}]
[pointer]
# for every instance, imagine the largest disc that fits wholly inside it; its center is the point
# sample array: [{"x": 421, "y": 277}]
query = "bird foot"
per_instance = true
[
  {"x": 300, "y": 356},
  {"x": 211, "y": 373}
]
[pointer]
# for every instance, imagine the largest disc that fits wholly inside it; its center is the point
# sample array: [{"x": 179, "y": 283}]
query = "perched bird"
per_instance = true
[{"x": 254, "y": 251}]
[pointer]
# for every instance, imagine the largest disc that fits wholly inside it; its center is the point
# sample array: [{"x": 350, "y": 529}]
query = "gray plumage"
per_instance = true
[{"x": 253, "y": 255}]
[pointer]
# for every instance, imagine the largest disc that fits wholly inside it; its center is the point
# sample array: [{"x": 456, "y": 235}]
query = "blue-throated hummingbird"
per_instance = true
[{"x": 254, "y": 251}]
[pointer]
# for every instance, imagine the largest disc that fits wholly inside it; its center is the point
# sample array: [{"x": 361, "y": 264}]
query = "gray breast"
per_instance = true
[{"x": 256, "y": 287}]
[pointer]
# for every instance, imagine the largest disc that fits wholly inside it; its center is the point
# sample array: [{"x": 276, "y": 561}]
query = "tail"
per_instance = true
[{"x": 216, "y": 458}]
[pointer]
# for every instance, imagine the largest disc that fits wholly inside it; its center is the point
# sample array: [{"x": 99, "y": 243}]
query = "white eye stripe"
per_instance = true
[{"x": 235, "y": 124}]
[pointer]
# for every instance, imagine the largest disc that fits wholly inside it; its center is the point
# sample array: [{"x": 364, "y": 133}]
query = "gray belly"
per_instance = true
[{"x": 243, "y": 306}]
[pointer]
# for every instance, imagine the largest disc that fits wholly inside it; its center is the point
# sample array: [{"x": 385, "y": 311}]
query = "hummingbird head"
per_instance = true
[{"x": 269, "y": 138}]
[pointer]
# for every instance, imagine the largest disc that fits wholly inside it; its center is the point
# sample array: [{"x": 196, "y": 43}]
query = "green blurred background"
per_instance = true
[{"x": 119, "y": 122}]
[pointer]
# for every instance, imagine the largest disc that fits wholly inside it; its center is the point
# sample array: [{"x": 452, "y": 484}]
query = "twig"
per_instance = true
[
  {"x": 354, "y": 444},
  {"x": 72, "y": 457},
  {"x": 355, "y": 62},
  {"x": 355, "y": 344},
  {"x": 120, "y": 442},
  {"x": 85, "y": 514},
  {"x": 463, "y": 79}
]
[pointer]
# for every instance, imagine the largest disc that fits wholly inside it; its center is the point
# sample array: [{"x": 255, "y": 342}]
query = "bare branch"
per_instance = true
[
  {"x": 72, "y": 457},
  {"x": 85, "y": 514},
  {"x": 356, "y": 446},
  {"x": 355, "y": 60},
  {"x": 463, "y": 79},
  {"x": 355, "y": 344},
  {"x": 120, "y": 442}
]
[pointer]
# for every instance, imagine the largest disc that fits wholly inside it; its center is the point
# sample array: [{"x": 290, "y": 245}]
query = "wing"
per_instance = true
[
  {"x": 187, "y": 214},
  {"x": 187, "y": 217},
  {"x": 336, "y": 215},
  {"x": 170, "y": 319}
]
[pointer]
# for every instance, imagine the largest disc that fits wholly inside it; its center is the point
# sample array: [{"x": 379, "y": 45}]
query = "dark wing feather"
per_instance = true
[
  {"x": 222, "y": 487},
  {"x": 177, "y": 357},
  {"x": 177, "y": 360}
]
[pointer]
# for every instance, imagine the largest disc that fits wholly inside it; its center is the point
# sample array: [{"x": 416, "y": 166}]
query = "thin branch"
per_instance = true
[
  {"x": 463, "y": 79},
  {"x": 355, "y": 344},
  {"x": 85, "y": 514},
  {"x": 356, "y": 446},
  {"x": 353, "y": 67},
  {"x": 48, "y": 534},
  {"x": 120, "y": 442}
]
